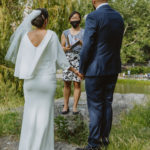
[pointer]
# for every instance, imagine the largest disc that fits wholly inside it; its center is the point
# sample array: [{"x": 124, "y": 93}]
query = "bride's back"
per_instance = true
[
  {"x": 37, "y": 36},
  {"x": 37, "y": 52}
]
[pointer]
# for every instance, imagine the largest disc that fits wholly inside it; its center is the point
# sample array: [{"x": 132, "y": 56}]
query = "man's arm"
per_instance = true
[{"x": 88, "y": 42}]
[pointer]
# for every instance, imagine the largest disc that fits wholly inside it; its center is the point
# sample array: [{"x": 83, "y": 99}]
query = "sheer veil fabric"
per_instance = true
[
  {"x": 37, "y": 66},
  {"x": 15, "y": 39}
]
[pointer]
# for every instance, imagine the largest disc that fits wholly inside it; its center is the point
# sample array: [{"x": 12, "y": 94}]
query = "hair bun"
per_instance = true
[{"x": 39, "y": 21}]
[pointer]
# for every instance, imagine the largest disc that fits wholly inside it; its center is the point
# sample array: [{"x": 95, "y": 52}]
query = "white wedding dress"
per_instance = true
[{"x": 37, "y": 66}]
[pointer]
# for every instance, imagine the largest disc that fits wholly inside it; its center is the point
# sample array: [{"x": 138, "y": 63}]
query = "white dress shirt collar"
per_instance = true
[{"x": 102, "y": 5}]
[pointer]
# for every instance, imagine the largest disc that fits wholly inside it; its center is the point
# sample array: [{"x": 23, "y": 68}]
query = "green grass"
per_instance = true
[
  {"x": 10, "y": 123},
  {"x": 132, "y": 81},
  {"x": 71, "y": 129},
  {"x": 60, "y": 88},
  {"x": 9, "y": 100},
  {"x": 132, "y": 133},
  {"x": 133, "y": 86}
]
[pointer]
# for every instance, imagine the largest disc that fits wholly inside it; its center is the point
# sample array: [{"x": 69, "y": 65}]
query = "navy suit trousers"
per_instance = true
[{"x": 99, "y": 98}]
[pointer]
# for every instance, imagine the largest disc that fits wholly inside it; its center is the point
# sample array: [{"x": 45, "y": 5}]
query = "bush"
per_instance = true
[
  {"x": 138, "y": 70},
  {"x": 7, "y": 76},
  {"x": 71, "y": 129}
]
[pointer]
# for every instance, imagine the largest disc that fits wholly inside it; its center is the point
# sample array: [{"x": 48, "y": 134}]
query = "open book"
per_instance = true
[{"x": 74, "y": 44}]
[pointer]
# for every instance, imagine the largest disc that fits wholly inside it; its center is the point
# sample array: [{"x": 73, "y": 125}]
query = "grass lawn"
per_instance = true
[
  {"x": 10, "y": 123},
  {"x": 9, "y": 99},
  {"x": 133, "y": 132}
]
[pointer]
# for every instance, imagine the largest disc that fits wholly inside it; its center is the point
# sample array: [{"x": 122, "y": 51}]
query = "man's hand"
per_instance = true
[
  {"x": 67, "y": 48},
  {"x": 77, "y": 73},
  {"x": 81, "y": 43},
  {"x": 81, "y": 76}
]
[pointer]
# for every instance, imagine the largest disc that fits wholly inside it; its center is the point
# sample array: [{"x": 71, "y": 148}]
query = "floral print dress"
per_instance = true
[{"x": 73, "y": 55}]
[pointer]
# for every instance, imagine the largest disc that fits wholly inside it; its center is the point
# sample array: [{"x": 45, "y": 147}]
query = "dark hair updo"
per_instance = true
[{"x": 39, "y": 20}]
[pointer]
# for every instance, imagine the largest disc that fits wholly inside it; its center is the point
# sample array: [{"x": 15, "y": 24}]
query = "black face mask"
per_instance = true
[{"x": 75, "y": 24}]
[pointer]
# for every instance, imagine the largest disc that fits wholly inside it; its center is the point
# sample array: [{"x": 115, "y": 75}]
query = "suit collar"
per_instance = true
[{"x": 103, "y": 4}]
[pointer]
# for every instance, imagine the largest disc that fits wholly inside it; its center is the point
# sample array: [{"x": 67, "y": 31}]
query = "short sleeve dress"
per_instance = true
[{"x": 73, "y": 55}]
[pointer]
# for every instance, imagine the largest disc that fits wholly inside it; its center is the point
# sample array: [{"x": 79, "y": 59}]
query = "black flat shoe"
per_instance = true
[
  {"x": 65, "y": 112},
  {"x": 105, "y": 142},
  {"x": 76, "y": 113}
]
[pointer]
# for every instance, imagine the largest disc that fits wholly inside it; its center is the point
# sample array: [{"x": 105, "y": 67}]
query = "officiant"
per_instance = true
[{"x": 71, "y": 41}]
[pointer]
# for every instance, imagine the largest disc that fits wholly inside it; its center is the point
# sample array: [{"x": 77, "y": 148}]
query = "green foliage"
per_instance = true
[
  {"x": 71, "y": 129},
  {"x": 59, "y": 12},
  {"x": 62, "y": 127},
  {"x": 138, "y": 70},
  {"x": 60, "y": 88},
  {"x": 10, "y": 123},
  {"x": 133, "y": 132},
  {"x": 132, "y": 86},
  {"x": 136, "y": 43},
  {"x": 6, "y": 77},
  {"x": 10, "y": 16},
  {"x": 134, "y": 82}
]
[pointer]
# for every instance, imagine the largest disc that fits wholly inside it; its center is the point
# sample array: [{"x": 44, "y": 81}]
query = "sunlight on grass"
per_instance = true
[{"x": 132, "y": 133}]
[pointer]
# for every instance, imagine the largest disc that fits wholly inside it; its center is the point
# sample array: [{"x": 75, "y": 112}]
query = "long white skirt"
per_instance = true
[{"x": 37, "y": 131}]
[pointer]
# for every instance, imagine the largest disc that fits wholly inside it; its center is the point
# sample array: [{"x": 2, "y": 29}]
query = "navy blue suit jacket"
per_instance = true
[{"x": 100, "y": 54}]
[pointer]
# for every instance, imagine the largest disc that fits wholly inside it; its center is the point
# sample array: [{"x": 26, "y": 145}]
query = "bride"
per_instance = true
[{"x": 35, "y": 54}]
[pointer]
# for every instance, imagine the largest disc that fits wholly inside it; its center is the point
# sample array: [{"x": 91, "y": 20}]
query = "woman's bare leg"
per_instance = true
[
  {"x": 67, "y": 93},
  {"x": 77, "y": 93}
]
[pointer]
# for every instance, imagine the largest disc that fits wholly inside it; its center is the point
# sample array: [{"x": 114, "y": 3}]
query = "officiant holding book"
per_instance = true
[{"x": 71, "y": 41}]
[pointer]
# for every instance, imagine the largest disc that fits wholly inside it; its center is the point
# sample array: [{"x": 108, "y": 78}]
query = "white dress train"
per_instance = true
[
  {"x": 37, "y": 128},
  {"x": 37, "y": 66}
]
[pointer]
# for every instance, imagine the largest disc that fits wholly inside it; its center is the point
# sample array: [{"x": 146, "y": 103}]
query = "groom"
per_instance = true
[{"x": 100, "y": 63}]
